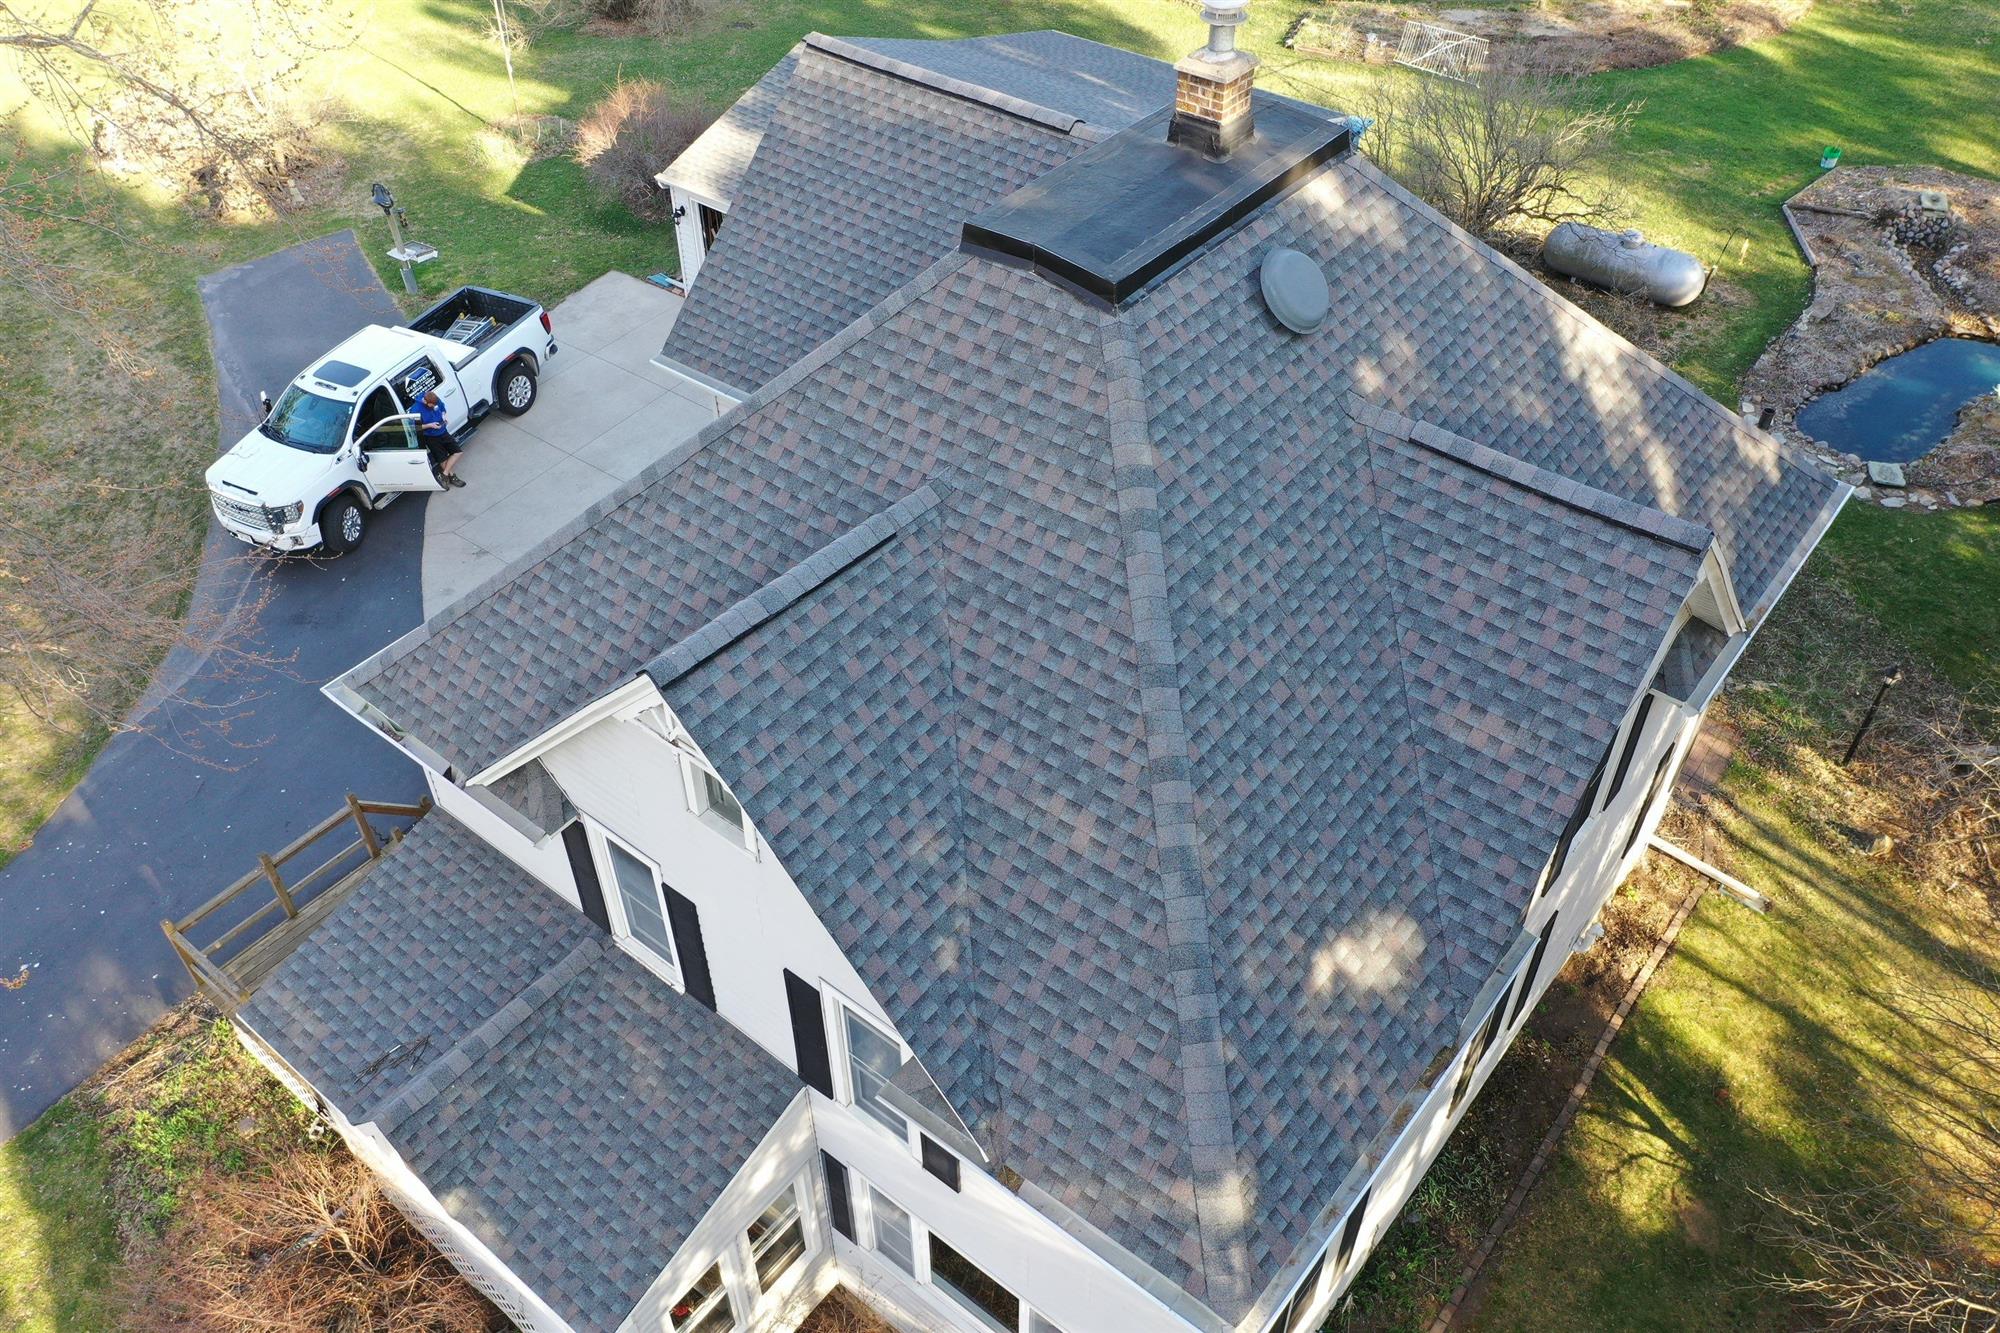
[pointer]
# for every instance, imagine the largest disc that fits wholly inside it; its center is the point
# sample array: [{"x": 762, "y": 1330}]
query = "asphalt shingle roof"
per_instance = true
[
  {"x": 714, "y": 164},
  {"x": 893, "y": 167},
  {"x": 1166, "y": 713},
  {"x": 492, "y": 994}
]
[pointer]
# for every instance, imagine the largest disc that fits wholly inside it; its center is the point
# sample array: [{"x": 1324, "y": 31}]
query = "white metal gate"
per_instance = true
[{"x": 1445, "y": 52}]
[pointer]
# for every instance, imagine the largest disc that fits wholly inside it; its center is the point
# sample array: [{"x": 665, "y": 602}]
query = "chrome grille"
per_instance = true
[{"x": 236, "y": 511}]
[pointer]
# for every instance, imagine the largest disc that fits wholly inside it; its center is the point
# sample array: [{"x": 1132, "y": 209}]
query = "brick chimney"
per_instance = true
[{"x": 1212, "y": 86}]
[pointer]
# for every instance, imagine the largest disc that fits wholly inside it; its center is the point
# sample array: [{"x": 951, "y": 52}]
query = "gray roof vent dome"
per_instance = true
[{"x": 1295, "y": 289}]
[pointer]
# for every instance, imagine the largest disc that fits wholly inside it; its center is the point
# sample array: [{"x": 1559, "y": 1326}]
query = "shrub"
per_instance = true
[
  {"x": 629, "y": 137},
  {"x": 310, "y": 1244}
]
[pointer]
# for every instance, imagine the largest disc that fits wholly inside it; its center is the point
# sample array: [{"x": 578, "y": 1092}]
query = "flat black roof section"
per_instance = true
[{"x": 1123, "y": 212}]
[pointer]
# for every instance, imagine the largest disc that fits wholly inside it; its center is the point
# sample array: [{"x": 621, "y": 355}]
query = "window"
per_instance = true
[
  {"x": 1529, "y": 977},
  {"x": 638, "y": 891},
  {"x": 704, "y": 1307},
  {"x": 1350, "y": 1234},
  {"x": 1293, "y": 1318},
  {"x": 1037, "y": 1324},
  {"x": 873, "y": 1057},
  {"x": 777, "y": 1238},
  {"x": 893, "y": 1239},
  {"x": 413, "y": 382},
  {"x": 958, "y": 1278},
  {"x": 710, "y": 798}
]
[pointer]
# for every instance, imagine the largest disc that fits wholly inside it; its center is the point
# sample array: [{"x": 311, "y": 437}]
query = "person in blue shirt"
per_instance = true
[{"x": 437, "y": 438}]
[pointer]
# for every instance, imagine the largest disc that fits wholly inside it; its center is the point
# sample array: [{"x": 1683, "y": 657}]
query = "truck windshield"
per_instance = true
[{"x": 308, "y": 421}]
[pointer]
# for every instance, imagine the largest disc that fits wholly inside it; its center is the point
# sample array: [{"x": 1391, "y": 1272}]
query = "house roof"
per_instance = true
[
  {"x": 713, "y": 165},
  {"x": 1168, "y": 714},
  {"x": 895, "y": 144},
  {"x": 451, "y": 1001}
]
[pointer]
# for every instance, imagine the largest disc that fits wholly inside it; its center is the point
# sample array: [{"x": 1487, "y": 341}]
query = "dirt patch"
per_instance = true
[
  {"x": 1889, "y": 275},
  {"x": 1966, "y": 466},
  {"x": 1591, "y": 36}
]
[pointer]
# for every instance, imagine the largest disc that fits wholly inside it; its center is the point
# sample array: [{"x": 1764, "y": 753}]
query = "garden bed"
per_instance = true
[
  {"x": 1888, "y": 277},
  {"x": 1586, "y": 35}
]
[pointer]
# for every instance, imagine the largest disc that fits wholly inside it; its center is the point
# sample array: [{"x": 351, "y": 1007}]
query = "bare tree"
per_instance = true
[
  {"x": 1519, "y": 140},
  {"x": 1880, "y": 1259},
  {"x": 1915, "y": 1253},
  {"x": 197, "y": 89}
]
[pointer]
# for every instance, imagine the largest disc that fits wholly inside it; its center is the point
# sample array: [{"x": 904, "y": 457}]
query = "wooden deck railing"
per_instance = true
[{"x": 229, "y": 967}]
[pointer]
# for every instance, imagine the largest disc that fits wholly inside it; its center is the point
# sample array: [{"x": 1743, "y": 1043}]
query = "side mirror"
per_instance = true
[
  {"x": 264, "y": 401},
  {"x": 361, "y": 461}
]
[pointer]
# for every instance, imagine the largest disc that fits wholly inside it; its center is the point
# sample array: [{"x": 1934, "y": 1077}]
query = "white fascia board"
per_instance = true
[{"x": 639, "y": 692}]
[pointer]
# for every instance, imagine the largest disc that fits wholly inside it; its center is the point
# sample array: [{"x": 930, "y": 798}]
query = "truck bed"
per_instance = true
[{"x": 473, "y": 316}]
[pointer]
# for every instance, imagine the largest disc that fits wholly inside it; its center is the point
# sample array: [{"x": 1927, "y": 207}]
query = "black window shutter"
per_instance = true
[
  {"x": 939, "y": 1160},
  {"x": 1631, "y": 745},
  {"x": 809, "y": 1033},
  {"x": 1534, "y": 970},
  {"x": 837, "y": 1201},
  {"x": 1302, "y": 1301},
  {"x": 584, "y": 870},
  {"x": 1350, "y": 1233},
  {"x": 1480, "y": 1046},
  {"x": 686, "y": 924}
]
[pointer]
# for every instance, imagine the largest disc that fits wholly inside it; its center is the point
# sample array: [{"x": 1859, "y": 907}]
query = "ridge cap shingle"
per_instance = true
[
  {"x": 1020, "y": 108},
  {"x": 1207, "y": 1112},
  {"x": 1566, "y": 491},
  {"x": 794, "y": 585}
]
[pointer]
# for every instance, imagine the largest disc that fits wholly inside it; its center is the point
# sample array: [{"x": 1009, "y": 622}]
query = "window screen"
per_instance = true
[
  {"x": 777, "y": 1239},
  {"x": 872, "y": 1060},
  {"x": 718, "y": 807},
  {"x": 893, "y": 1240},
  {"x": 639, "y": 895},
  {"x": 704, "y": 1307},
  {"x": 956, "y": 1275}
]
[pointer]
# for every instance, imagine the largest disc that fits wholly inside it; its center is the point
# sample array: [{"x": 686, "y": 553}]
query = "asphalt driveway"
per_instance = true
[{"x": 232, "y": 762}]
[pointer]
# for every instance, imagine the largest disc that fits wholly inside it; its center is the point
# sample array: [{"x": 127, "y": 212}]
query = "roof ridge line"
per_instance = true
[
  {"x": 644, "y": 480},
  {"x": 791, "y": 586},
  {"x": 1566, "y": 491},
  {"x": 1207, "y": 1112},
  {"x": 430, "y": 1082},
  {"x": 1018, "y": 107}
]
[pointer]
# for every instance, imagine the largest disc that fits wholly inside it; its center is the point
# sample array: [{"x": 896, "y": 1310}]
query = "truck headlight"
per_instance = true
[{"x": 280, "y": 517}]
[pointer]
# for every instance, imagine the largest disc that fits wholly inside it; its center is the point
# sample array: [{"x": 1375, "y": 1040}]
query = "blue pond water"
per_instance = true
[{"x": 1906, "y": 404}]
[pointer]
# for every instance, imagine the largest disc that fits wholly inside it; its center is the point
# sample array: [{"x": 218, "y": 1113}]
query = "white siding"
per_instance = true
[
  {"x": 1013, "y": 1243},
  {"x": 545, "y": 860},
  {"x": 754, "y": 921}
]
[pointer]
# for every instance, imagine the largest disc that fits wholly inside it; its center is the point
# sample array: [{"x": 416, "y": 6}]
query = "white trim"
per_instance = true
[
  {"x": 694, "y": 790},
  {"x": 639, "y": 690},
  {"x": 667, "y": 969}
]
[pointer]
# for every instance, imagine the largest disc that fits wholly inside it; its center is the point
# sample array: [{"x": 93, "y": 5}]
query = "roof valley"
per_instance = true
[
  {"x": 1221, "y": 1202},
  {"x": 1428, "y": 894}
]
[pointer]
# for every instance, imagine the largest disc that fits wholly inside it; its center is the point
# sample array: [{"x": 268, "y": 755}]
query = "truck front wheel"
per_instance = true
[
  {"x": 515, "y": 391},
  {"x": 342, "y": 525}
]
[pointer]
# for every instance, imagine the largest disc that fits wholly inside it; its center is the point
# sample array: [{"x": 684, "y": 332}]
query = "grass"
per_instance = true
[
  {"x": 1758, "y": 1056},
  {"x": 106, "y": 1168},
  {"x": 1930, "y": 579}
]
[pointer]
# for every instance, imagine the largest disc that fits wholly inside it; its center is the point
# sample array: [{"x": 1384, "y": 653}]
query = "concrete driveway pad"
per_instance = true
[{"x": 605, "y": 413}]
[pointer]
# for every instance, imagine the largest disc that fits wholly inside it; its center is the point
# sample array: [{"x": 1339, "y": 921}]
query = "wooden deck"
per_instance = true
[{"x": 253, "y": 940}]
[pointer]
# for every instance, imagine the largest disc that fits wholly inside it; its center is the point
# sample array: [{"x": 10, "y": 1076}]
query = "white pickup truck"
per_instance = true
[{"x": 341, "y": 441}]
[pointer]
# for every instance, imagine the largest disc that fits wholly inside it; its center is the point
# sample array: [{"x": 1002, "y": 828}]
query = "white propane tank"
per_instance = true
[{"x": 1624, "y": 262}]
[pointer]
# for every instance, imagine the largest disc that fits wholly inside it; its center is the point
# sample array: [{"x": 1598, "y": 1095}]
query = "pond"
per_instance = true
[{"x": 1904, "y": 406}]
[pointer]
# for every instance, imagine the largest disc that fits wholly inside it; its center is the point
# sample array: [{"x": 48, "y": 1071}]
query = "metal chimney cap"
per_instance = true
[{"x": 1295, "y": 290}]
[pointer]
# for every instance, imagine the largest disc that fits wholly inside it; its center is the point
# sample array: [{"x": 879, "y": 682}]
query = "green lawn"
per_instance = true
[
  {"x": 1759, "y": 1056},
  {"x": 1928, "y": 577}
]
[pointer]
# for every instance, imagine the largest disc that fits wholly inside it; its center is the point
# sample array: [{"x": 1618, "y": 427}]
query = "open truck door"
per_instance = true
[{"x": 395, "y": 459}]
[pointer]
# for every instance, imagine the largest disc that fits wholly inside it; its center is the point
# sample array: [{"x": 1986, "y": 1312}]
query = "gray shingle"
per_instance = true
[
  {"x": 1177, "y": 779},
  {"x": 499, "y": 993},
  {"x": 714, "y": 164}
]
